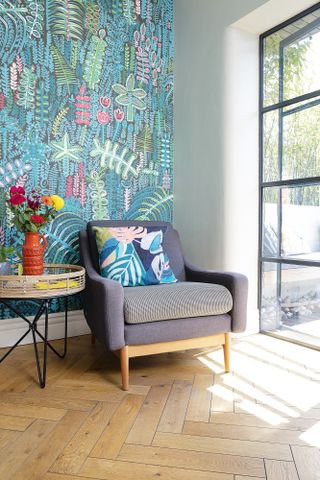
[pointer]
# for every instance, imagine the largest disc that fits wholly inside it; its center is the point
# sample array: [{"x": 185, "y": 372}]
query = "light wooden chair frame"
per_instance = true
[{"x": 131, "y": 351}]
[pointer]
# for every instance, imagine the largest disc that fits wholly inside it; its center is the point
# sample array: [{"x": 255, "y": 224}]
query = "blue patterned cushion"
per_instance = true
[{"x": 133, "y": 256}]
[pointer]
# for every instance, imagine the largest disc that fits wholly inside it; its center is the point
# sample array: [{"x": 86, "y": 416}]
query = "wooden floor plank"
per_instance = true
[
  {"x": 30, "y": 411},
  {"x": 117, "y": 470},
  {"x": 243, "y": 432},
  {"x": 9, "y": 422},
  {"x": 103, "y": 393},
  {"x": 307, "y": 460},
  {"x": 175, "y": 410},
  {"x": 83, "y": 426},
  {"x": 281, "y": 470},
  {"x": 224, "y": 446},
  {"x": 193, "y": 460},
  {"x": 146, "y": 423},
  {"x": 48, "y": 398},
  {"x": 200, "y": 399},
  {"x": 115, "y": 434},
  {"x": 39, "y": 461},
  {"x": 6, "y": 437},
  {"x": 17, "y": 452},
  {"x": 298, "y": 423},
  {"x": 62, "y": 476},
  {"x": 242, "y": 477},
  {"x": 222, "y": 398},
  {"x": 75, "y": 453}
]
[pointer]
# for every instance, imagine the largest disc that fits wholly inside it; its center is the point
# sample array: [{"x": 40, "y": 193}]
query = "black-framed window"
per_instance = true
[{"x": 289, "y": 246}]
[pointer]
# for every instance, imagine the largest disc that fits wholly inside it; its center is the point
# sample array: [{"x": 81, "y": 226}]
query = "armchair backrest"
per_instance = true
[{"x": 171, "y": 242}]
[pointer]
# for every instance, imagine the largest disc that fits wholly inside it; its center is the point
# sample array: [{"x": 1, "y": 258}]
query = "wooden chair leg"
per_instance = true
[
  {"x": 93, "y": 339},
  {"x": 124, "y": 362},
  {"x": 226, "y": 352}
]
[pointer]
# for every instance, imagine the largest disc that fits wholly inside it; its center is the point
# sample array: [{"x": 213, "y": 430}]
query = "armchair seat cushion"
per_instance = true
[{"x": 156, "y": 303}]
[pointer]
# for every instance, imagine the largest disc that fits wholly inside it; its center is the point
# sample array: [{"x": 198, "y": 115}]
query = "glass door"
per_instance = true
[{"x": 289, "y": 291}]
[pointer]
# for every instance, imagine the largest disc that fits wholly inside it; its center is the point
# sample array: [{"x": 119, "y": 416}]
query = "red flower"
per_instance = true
[
  {"x": 15, "y": 190},
  {"x": 105, "y": 102},
  {"x": 33, "y": 204},
  {"x": 103, "y": 118},
  {"x": 118, "y": 115},
  {"x": 17, "y": 199},
  {"x": 37, "y": 219}
]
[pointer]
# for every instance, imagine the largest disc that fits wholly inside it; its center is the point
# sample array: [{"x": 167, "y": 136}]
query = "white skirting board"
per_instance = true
[{"x": 12, "y": 329}]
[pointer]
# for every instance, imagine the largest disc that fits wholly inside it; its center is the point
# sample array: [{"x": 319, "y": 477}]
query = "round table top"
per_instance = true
[{"x": 58, "y": 280}]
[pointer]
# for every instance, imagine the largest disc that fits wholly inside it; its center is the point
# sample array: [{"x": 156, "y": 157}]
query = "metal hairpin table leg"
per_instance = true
[
  {"x": 41, "y": 375},
  {"x": 63, "y": 354},
  {"x": 32, "y": 326}
]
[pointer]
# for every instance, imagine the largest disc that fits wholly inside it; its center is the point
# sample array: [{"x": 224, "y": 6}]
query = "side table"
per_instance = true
[{"x": 58, "y": 281}]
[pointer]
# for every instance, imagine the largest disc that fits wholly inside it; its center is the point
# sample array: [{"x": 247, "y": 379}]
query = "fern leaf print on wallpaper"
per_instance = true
[{"x": 86, "y": 111}]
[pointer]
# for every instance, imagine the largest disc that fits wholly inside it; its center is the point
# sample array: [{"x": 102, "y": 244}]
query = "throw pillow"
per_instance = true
[{"x": 133, "y": 256}]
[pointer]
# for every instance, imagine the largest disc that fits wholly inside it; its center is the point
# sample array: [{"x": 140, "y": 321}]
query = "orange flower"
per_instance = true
[{"x": 47, "y": 201}]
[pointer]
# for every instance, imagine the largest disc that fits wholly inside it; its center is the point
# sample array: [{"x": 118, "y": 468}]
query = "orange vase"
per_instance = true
[{"x": 32, "y": 253}]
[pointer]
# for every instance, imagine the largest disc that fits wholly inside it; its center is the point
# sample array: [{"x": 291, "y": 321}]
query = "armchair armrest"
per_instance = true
[
  {"x": 103, "y": 303},
  {"x": 236, "y": 283}
]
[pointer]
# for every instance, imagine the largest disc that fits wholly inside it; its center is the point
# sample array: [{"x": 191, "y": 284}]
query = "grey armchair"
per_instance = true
[{"x": 196, "y": 312}]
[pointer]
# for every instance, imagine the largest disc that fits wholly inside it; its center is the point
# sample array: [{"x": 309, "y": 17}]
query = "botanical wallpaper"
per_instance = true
[{"x": 86, "y": 111}]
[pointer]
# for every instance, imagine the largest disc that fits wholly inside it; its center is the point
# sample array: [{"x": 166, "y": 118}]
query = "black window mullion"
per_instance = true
[
  {"x": 293, "y": 182},
  {"x": 261, "y": 179},
  {"x": 292, "y": 101},
  {"x": 280, "y": 164}
]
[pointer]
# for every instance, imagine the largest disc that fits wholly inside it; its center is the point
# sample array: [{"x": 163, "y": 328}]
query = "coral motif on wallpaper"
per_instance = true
[{"x": 86, "y": 110}]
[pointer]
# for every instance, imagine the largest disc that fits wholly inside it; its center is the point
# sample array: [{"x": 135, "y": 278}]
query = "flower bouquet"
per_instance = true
[{"x": 31, "y": 212}]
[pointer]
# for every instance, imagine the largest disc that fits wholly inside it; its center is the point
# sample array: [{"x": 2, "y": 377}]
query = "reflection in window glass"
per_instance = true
[
  {"x": 293, "y": 302},
  {"x": 301, "y": 142},
  {"x": 291, "y": 63},
  {"x": 301, "y": 222},
  {"x": 271, "y": 146}
]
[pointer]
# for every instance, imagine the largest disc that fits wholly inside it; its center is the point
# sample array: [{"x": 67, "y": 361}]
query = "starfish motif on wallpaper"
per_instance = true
[{"x": 63, "y": 149}]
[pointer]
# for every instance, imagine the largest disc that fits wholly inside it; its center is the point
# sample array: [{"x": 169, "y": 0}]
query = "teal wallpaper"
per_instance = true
[{"x": 86, "y": 111}]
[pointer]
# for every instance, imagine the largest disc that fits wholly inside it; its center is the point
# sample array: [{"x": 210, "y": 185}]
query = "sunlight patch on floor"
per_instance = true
[
  {"x": 265, "y": 384},
  {"x": 312, "y": 436},
  {"x": 260, "y": 411}
]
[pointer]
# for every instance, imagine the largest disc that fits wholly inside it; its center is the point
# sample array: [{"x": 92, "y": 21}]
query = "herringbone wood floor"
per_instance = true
[{"x": 181, "y": 420}]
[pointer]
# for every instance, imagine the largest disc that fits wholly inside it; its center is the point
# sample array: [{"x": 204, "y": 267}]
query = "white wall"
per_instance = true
[
  {"x": 240, "y": 160},
  {"x": 272, "y": 13},
  {"x": 216, "y": 130},
  {"x": 216, "y": 137}
]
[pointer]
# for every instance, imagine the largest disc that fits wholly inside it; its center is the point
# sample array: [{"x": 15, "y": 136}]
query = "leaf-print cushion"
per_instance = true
[{"x": 133, "y": 256}]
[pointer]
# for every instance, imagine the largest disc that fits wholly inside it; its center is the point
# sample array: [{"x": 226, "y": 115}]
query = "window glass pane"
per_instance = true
[
  {"x": 270, "y": 307},
  {"x": 271, "y": 69},
  {"x": 301, "y": 142},
  {"x": 292, "y": 60},
  {"x": 301, "y": 73},
  {"x": 291, "y": 298},
  {"x": 271, "y": 146},
  {"x": 301, "y": 222},
  {"x": 270, "y": 236}
]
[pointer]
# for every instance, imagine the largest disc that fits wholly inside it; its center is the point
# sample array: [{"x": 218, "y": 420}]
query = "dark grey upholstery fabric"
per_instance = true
[
  {"x": 236, "y": 283},
  {"x": 103, "y": 302},
  {"x": 154, "y": 303},
  {"x": 170, "y": 330},
  {"x": 104, "y": 299}
]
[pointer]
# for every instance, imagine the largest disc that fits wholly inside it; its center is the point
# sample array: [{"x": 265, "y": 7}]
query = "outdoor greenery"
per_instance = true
[{"x": 300, "y": 149}]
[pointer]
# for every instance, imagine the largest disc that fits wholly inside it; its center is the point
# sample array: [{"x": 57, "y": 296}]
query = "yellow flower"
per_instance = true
[{"x": 58, "y": 202}]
